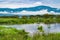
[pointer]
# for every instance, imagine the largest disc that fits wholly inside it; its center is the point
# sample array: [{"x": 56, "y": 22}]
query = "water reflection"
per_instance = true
[{"x": 31, "y": 28}]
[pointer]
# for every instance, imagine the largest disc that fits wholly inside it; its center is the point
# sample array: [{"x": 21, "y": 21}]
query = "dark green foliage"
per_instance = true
[{"x": 40, "y": 28}]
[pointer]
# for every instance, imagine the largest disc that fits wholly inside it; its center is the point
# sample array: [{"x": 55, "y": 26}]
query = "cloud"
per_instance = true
[
  {"x": 27, "y": 3},
  {"x": 19, "y": 5},
  {"x": 22, "y": 5},
  {"x": 32, "y": 13},
  {"x": 3, "y": 12},
  {"x": 54, "y": 13},
  {"x": 42, "y": 12}
]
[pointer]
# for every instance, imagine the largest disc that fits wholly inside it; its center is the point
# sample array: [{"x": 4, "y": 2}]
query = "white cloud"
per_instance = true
[
  {"x": 42, "y": 12},
  {"x": 37, "y": 3},
  {"x": 25, "y": 3},
  {"x": 3, "y": 12},
  {"x": 54, "y": 13},
  {"x": 19, "y": 5},
  {"x": 32, "y": 13},
  {"x": 53, "y": 5}
]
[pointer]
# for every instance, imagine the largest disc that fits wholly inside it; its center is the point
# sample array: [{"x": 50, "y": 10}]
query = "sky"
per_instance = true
[{"x": 28, "y": 3}]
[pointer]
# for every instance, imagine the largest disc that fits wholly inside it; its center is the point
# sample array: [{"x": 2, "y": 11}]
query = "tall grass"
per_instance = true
[
  {"x": 7, "y": 33},
  {"x": 28, "y": 20},
  {"x": 47, "y": 37},
  {"x": 46, "y": 18}
]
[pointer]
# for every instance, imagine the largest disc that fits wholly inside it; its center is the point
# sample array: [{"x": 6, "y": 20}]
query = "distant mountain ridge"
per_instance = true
[{"x": 37, "y": 8}]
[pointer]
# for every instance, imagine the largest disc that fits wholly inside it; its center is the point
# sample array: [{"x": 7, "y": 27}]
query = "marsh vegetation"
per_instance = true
[
  {"x": 48, "y": 19},
  {"x": 8, "y": 33}
]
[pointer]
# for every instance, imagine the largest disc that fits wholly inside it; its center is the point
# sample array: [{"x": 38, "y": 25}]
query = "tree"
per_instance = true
[{"x": 24, "y": 17}]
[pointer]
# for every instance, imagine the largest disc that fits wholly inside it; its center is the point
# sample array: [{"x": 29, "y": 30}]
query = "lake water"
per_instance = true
[{"x": 32, "y": 28}]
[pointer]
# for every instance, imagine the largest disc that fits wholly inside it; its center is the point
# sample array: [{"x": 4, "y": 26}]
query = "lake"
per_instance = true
[{"x": 32, "y": 28}]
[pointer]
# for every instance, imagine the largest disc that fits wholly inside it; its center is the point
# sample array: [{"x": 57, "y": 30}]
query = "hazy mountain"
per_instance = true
[{"x": 37, "y": 8}]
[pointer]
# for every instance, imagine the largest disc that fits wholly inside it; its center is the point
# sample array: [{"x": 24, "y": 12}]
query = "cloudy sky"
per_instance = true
[{"x": 28, "y": 3}]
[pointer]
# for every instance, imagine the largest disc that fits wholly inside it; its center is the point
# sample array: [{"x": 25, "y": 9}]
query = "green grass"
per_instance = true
[
  {"x": 46, "y": 18},
  {"x": 28, "y": 20},
  {"x": 8, "y": 33},
  {"x": 47, "y": 37}
]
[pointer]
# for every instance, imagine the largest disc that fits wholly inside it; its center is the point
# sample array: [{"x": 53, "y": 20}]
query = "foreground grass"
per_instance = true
[
  {"x": 7, "y": 33},
  {"x": 12, "y": 34},
  {"x": 46, "y": 37}
]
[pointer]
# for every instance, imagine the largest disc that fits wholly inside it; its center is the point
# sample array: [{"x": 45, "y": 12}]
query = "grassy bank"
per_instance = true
[
  {"x": 28, "y": 20},
  {"x": 7, "y": 33}
]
